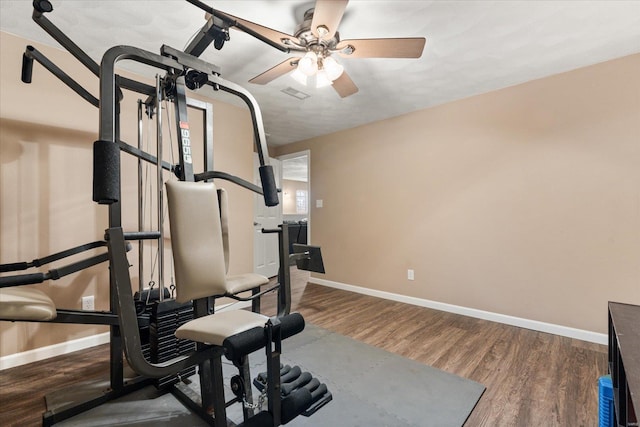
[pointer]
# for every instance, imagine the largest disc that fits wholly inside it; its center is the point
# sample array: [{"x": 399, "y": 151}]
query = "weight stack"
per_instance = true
[
  {"x": 166, "y": 317},
  {"x": 144, "y": 306}
]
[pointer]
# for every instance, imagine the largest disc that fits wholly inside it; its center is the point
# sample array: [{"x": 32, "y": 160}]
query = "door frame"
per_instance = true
[{"x": 293, "y": 156}]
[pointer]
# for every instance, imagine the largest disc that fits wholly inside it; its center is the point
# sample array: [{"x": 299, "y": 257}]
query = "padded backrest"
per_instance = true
[
  {"x": 223, "y": 201},
  {"x": 196, "y": 240}
]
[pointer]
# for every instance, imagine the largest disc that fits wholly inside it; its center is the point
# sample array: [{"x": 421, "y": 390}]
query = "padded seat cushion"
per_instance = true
[
  {"x": 21, "y": 303},
  {"x": 244, "y": 282},
  {"x": 215, "y": 328}
]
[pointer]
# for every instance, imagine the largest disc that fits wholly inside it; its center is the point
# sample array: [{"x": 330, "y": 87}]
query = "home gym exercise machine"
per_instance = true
[{"x": 197, "y": 214}]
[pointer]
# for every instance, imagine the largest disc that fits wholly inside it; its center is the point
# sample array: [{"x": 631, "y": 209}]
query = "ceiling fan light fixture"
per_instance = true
[
  {"x": 308, "y": 64},
  {"x": 322, "y": 79},
  {"x": 332, "y": 68},
  {"x": 299, "y": 76}
]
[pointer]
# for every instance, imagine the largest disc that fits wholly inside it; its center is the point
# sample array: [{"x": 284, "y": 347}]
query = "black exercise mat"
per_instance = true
[{"x": 371, "y": 387}]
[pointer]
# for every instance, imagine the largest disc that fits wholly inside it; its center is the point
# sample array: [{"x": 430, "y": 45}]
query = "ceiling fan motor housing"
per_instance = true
[{"x": 308, "y": 40}]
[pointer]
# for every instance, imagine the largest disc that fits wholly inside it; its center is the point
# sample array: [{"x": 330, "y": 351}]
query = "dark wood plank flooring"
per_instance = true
[{"x": 532, "y": 378}]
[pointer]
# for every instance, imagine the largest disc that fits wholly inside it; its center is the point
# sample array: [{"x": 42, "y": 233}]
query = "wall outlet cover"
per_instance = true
[{"x": 88, "y": 303}]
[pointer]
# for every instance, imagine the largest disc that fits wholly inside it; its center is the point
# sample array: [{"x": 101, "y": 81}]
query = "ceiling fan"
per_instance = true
[{"x": 318, "y": 38}]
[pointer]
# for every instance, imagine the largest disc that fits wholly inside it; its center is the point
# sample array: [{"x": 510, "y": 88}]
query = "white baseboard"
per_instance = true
[
  {"x": 42, "y": 353},
  {"x": 535, "y": 325}
]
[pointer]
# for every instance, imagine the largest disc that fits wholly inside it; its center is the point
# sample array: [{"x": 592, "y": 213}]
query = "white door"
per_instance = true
[{"x": 265, "y": 246}]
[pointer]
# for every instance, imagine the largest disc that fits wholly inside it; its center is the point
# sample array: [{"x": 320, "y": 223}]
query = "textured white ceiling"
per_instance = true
[
  {"x": 296, "y": 168},
  {"x": 472, "y": 47}
]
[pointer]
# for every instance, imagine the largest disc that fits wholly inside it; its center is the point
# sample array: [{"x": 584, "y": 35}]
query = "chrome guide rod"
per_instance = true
[
  {"x": 140, "y": 204},
  {"x": 159, "y": 189}
]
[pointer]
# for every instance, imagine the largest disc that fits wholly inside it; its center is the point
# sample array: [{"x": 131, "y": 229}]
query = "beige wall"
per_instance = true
[
  {"x": 46, "y": 136},
  {"x": 523, "y": 201}
]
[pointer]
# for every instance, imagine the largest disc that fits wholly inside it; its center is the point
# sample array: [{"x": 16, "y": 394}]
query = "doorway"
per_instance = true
[{"x": 296, "y": 196}]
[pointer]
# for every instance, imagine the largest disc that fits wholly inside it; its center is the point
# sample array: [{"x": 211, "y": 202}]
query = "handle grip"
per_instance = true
[
  {"x": 4, "y": 268},
  {"x": 23, "y": 279},
  {"x": 27, "y": 66},
  {"x": 106, "y": 172},
  {"x": 269, "y": 188}
]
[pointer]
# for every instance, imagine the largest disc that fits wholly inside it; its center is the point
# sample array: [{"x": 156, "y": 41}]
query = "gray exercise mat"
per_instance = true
[{"x": 370, "y": 387}]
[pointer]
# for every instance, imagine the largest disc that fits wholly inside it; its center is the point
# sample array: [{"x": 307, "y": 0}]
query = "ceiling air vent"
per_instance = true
[{"x": 295, "y": 93}]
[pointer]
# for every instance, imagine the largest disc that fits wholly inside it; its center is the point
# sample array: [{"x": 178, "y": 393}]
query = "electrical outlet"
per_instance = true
[
  {"x": 410, "y": 275},
  {"x": 88, "y": 303}
]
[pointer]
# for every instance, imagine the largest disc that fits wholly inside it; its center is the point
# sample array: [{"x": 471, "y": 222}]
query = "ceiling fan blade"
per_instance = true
[
  {"x": 382, "y": 48},
  {"x": 271, "y": 34},
  {"x": 275, "y": 72},
  {"x": 329, "y": 14},
  {"x": 344, "y": 85}
]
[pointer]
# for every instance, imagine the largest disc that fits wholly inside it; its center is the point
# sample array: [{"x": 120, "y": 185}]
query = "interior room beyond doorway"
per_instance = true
[{"x": 295, "y": 196}]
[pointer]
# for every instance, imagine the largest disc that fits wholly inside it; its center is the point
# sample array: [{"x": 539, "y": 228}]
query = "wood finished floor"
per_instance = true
[{"x": 532, "y": 378}]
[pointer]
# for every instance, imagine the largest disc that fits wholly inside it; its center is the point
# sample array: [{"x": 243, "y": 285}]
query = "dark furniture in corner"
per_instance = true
[
  {"x": 624, "y": 362},
  {"x": 297, "y": 233}
]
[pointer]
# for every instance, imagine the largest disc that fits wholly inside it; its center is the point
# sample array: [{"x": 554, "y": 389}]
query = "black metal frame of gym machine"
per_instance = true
[
  {"x": 208, "y": 357},
  {"x": 122, "y": 317}
]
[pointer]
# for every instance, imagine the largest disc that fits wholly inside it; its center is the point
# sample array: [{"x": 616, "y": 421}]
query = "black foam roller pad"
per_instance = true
[
  {"x": 254, "y": 339},
  {"x": 27, "y": 66},
  {"x": 269, "y": 185},
  {"x": 106, "y": 172}
]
